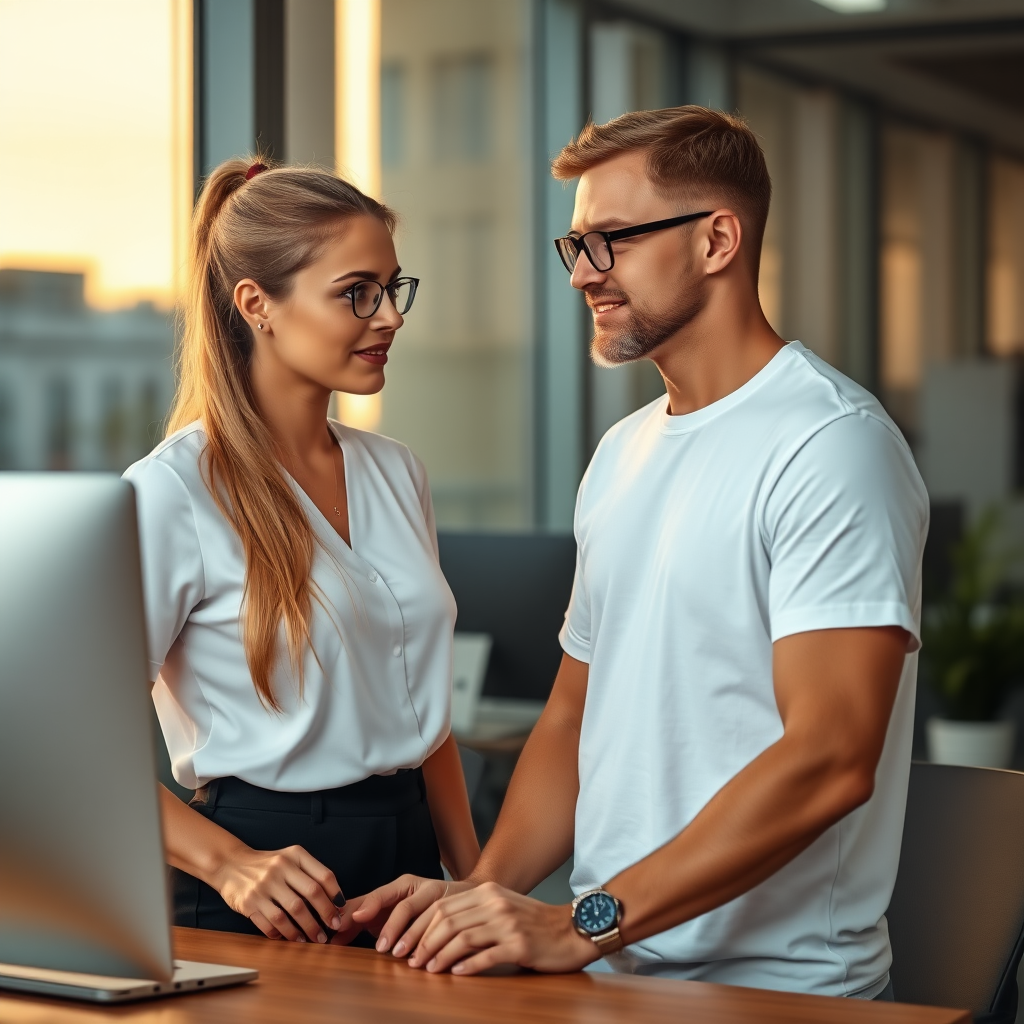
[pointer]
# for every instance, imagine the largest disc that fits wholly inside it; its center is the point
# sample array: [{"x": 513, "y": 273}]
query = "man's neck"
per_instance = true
[{"x": 725, "y": 345}]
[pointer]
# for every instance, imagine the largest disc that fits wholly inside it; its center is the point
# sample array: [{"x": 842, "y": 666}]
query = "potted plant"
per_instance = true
[{"x": 973, "y": 650}]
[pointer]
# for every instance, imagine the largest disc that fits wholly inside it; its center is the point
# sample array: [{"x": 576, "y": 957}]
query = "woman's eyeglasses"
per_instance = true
[
  {"x": 597, "y": 245},
  {"x": 367, "y": 296}
]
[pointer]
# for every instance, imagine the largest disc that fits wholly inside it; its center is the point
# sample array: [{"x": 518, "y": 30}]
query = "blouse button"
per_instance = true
[
  {"x": 372, "y": 576},
  {"x": 397, "y": 650}
]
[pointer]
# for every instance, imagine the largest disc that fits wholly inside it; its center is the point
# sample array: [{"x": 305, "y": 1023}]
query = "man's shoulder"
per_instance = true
[{"x": 812, "y": 395}]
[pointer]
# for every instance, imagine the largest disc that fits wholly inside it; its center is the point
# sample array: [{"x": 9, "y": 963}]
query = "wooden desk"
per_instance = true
[{"x": 307, "y": 983}]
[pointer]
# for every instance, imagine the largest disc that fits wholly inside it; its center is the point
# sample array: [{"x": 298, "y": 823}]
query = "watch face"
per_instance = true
[{"x": 596, "y": 913}]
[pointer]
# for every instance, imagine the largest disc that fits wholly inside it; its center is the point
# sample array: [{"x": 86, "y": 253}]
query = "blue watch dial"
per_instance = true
[{"x": 596, "y": 913}]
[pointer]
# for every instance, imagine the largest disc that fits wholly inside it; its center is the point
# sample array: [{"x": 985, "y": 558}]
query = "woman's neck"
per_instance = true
[{"x": 295, "y": 410}]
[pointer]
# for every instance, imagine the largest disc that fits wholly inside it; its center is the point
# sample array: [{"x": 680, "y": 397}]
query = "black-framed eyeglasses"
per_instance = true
[
  {"x": 367, "y": 296},
  {"x": 597, "y": 245}
]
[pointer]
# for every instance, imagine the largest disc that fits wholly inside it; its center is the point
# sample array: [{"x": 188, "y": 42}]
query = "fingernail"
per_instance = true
[
  {"x": 432, "y": 963},
  {"x": 321, "y": 937},
  {"x": 339, "y": 900},
  {"x": 336, "y": 922},
  {"x": 458, "y": 969},
  {"x": 382, "y": 945},
  {"x": 302, "y": 938},
  {"x": 399, "y": 949}
]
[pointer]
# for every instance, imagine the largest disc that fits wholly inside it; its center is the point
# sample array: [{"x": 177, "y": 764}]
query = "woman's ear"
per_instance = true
[{"x": 251, "y": 302}]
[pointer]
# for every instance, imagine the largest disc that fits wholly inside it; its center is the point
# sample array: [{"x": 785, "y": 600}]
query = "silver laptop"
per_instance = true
[{"x": 84, "y": 908}]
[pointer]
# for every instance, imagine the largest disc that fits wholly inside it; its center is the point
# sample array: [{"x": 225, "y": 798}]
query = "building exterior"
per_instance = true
[{"x": 79, "y": 388}]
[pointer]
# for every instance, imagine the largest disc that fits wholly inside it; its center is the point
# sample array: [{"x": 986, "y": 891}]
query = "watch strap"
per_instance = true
[{"x": 608, "y": 942}]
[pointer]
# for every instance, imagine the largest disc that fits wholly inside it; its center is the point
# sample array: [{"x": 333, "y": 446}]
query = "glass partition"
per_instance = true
[
  {"x": 455, "y": 165},
  {"x": 95, "y": 189},
  {"x": 1005, "y": 319}
]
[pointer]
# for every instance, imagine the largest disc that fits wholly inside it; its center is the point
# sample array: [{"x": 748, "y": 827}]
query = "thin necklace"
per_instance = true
[{"x": 334, "y": 463}]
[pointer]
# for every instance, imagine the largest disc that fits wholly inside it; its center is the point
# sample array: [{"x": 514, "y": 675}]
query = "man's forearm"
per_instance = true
[
  {"x": 534, "y": 833},
  {"x": 764, "y": 817},
  {"x": 835, "y": 691}
]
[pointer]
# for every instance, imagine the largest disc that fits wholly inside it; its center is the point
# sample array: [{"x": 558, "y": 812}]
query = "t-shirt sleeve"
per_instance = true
[
  {"x": 575, "y": 633},
  {"x": 173, "y": 577},
  {"x": 845, "y": 525}
]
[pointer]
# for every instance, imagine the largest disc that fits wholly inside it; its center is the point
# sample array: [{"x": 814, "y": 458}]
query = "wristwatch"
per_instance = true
[{"x": 596, "y": 915}]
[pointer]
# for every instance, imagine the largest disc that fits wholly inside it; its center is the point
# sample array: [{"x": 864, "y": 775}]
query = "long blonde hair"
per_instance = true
[{"x": 267, "y": 228}]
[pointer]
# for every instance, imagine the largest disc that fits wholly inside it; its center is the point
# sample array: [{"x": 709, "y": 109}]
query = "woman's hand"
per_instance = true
[
  {"x": 398, "y": 912},
  {"x": 275, "y": 889}
]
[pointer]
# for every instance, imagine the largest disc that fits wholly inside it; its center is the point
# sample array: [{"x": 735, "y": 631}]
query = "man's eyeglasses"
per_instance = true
[
  {"x": 597, "y": 245},
  {"x": 367, "y": 296}
]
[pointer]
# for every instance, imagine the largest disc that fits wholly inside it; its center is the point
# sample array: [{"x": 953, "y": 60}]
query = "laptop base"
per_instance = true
[{"x": 189, "y": 976}]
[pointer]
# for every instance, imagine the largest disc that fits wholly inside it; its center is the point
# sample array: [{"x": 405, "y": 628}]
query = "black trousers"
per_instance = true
[{"x": 368, "y": 834}]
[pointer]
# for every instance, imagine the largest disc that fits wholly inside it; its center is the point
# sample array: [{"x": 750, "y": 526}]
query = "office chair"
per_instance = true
[{"x": 956, "y": 920}]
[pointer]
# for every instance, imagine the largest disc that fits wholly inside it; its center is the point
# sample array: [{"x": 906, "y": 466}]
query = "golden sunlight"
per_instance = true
[
  {"x": 96, "y": 162},
  {"x": 357, "y": 134}
]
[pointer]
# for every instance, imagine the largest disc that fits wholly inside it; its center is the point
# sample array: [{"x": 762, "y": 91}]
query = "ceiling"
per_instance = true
[
  {"x": 764, "y": 19},
  {"x": 952, "y": 63}
]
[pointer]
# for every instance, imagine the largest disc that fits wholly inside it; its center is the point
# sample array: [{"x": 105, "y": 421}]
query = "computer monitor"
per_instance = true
[
  {"x": 514, "y": 587},
  {"x": 83, "y": 886}
]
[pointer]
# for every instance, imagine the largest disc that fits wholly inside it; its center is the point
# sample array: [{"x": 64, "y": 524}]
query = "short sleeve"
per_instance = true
[
  {"x": 173, "y": 579},
  {"x": 845, "y": 526},
  {"x": 574, "y": 635}
]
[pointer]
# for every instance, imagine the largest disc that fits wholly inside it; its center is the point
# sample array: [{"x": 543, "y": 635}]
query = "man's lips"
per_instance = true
[
  {"x": 376, "y": 354},
  {"x": 605, "y": 306}
]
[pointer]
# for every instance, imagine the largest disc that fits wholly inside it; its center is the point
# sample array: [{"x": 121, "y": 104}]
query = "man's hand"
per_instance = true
[
  {"x": 487, "y": 925},
  {"x": 389, "y": 911}
]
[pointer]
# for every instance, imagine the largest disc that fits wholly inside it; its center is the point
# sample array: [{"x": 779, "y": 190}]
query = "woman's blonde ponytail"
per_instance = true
[{"x": 266, "y": 228}]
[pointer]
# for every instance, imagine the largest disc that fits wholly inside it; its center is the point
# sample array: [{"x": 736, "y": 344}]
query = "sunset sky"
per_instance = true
[{"x": 95, "y": 159}]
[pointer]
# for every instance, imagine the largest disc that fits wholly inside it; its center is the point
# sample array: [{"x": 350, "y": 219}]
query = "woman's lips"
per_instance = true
[{"x": 378, "y": 355}]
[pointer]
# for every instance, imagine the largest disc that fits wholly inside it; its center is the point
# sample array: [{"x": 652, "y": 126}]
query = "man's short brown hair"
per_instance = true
[{"x": 691, "y": 150}]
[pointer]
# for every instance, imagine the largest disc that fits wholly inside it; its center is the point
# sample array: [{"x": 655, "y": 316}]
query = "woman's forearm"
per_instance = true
[
  {"x": 449, "y": 809},
  {"x": 194, "y": 843}
]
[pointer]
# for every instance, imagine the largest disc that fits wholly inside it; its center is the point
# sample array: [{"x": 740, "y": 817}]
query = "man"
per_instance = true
[{"x": 727, "y": 744}]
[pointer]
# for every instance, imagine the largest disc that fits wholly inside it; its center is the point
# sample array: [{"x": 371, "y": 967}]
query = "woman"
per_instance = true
[{"x": 300, "y": 629}]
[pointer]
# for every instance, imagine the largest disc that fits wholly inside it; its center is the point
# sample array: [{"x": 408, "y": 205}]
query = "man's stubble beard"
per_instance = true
[{"x": 645, "y": 330}]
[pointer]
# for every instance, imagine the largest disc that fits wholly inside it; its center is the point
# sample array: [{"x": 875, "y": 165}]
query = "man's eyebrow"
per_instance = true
[
  {"x": 609, "y": 224},
  {"x": 366, "y": 275}
]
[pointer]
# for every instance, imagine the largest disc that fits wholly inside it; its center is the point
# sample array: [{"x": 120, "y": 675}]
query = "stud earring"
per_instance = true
[{"x": 260, "y": 326}]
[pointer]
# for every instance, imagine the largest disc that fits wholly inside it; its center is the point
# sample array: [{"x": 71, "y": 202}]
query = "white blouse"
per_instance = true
[{"x": 377, "y": 693}]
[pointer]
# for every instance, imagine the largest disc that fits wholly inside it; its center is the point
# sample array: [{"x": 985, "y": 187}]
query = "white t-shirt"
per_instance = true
[
  {"x": 792, "y": 504},
  {"x": 380, "y": 696}
]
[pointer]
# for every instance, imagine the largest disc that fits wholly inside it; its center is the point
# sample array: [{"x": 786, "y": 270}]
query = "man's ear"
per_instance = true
[{"x": 724, "y": 234}]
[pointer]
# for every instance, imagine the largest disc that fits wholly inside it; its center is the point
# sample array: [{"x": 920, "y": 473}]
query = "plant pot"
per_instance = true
[{"x": 979, "y": 744}]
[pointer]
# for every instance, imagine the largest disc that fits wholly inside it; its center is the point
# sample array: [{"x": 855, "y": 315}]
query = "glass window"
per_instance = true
[
  {"x": 95, "y": 191},
  {"x": 769, "y": 105},
  {"x": 392, "y": 113},
  {"x": 458, "y": 390},
  {"x": 463, "y": 90},
  {"x": 8, "y": 417},
  {"x": 1005, "y": 319}
]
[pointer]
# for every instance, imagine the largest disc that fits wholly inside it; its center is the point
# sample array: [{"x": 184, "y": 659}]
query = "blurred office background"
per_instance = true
[{"x": 894, "y": 131}]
